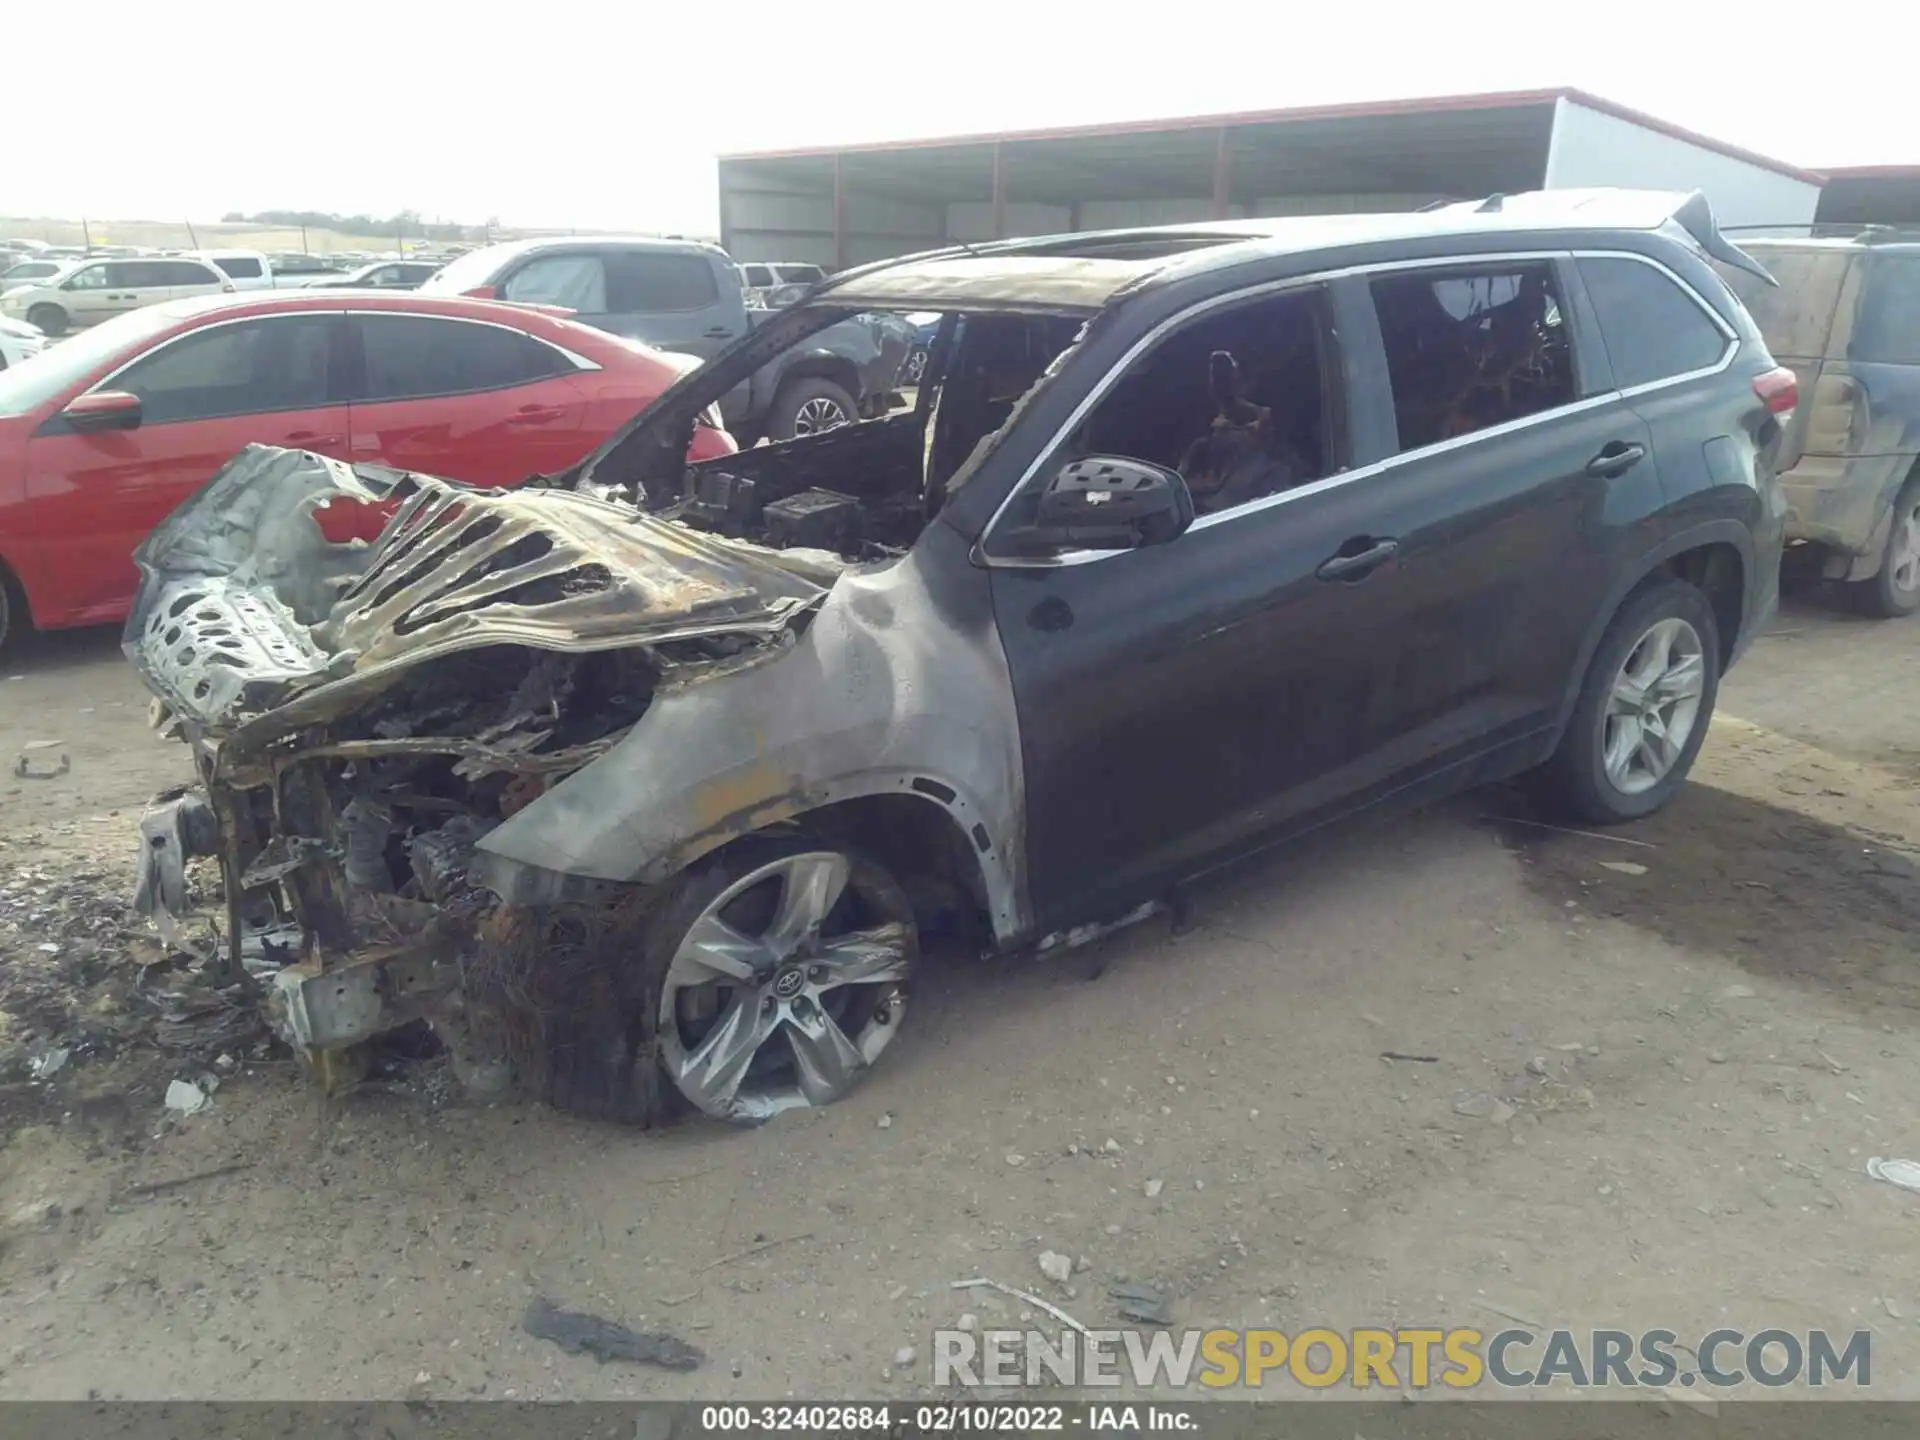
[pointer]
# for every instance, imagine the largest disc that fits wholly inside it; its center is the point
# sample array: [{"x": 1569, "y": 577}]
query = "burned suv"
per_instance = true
[{"x": 642, "y": 784}]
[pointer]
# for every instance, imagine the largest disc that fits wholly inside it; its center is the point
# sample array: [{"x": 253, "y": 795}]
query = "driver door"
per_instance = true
[{"x": 1173, "y": 698}]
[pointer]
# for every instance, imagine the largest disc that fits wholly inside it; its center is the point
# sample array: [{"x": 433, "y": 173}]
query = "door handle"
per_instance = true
[
  {"x": 1615, "y": 458},
  {"x": 535, "y": 414},
  {"x": 719, "y": 332},
  {"x": 312, "y": 437},
  {"x": 1357, "y": 559}
]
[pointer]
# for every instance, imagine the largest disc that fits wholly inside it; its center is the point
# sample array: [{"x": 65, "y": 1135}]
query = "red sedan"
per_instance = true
[{"x": 103, "y": 435}]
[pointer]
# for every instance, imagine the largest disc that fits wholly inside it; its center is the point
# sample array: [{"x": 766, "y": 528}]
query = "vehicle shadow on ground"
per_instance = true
[
  {"x": 51, "y": 651},
  {"x": 1776, "y": 891}
]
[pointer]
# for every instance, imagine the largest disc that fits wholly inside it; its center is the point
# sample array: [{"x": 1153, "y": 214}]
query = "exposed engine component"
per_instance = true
[{"x": 816, "y": 519}]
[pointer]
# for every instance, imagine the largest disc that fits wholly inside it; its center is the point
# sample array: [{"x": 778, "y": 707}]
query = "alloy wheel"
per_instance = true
[
  {"x": 1903, "y": 548},
  {"x": 1653, "y": 706},
  {"x": 817, "y": 415},
  {"x": 785, "y": 989}
]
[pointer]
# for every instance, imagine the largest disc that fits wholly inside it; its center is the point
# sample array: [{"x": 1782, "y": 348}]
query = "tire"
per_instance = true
[
  {"x": 1895, "y": 591},
  {"x": 6, "y": 610},
  {"x": 800, "y": 404},
  {"x": 678, "y": 1012},
  {"x": 48, "y": 319},
  {"x": 915, "y": 366},
  {"x": 1578, "y": 781}
]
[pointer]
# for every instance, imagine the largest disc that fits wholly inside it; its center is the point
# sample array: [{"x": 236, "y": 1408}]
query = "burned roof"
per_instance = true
[{"x": 1084, "y": 271}]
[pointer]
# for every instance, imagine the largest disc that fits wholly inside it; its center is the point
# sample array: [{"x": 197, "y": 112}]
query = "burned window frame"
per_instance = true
[{"x": 1337, "y": 381}]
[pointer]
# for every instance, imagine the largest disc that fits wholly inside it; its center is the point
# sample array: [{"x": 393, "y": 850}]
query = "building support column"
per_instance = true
[
  {"x": 1222, "y": 179},
  {"x": 839, "y": 213},
  {"x": 999, "y": 192}
]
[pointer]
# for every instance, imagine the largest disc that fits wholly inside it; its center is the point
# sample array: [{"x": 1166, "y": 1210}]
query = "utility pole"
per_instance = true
[
  {"x": 86, "y": 235},
  {"x": 192, "y": 236}
]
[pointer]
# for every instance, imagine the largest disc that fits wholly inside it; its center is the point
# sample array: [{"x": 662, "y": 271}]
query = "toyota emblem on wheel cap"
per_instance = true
[{"x": 788, "y": 982}]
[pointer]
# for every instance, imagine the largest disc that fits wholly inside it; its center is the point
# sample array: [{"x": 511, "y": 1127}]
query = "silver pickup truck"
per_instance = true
[{"x": 688, "y": 297}]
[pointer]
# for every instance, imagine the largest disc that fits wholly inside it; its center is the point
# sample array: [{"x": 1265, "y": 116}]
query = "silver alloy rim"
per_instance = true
[
  {"x": 1653, "y": 707},
  {"x": 787, "y": 1010},
  {"x": 1903, "y": 549},
  {"x": 818, "y": 414},
  {"x": 916, "y": 366}
]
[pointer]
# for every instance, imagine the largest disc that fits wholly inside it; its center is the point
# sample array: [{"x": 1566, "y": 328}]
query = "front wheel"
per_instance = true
[
  {"x": 1643, "y": 710},
  {"x": 809, "y": 406},
  {"x": 48, "y": 319},
  {"x": 1895, "y": 591},
  {"x": 771, "y": 977}
]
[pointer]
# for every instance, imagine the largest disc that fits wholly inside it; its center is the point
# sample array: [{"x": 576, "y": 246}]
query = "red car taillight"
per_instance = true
[
  {"x": 482, "y": 292},
  {"x": 1778, "y": 390}
]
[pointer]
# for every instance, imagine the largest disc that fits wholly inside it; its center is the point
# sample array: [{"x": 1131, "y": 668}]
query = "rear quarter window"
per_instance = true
[
  {"x": 240, "y": 268},
  {"x": 1887, "y": 330},
  {"x": 1654, "y": 330}
]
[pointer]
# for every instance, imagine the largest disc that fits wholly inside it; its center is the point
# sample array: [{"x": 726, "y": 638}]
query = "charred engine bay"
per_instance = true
[
  {"x": 855, "y": 491},
  {"x": 353, "y": 846}
]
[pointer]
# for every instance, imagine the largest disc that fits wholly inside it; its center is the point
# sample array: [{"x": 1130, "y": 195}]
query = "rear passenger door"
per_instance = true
[
  {"x": 462, "y": 399},
  {"x": 1510, "y": 472},
  {"x": 672, "y": 301}
]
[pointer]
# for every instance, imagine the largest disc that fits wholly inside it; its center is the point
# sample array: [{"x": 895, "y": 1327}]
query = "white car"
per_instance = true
[
  {"x": 248, "y": 269},
  {"x": 96, "y": 290},
  {"x": 28, "y": 272},
  {"x": 19, "y": 342}
]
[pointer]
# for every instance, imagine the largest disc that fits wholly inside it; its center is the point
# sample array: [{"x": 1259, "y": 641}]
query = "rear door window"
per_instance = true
[
  {"x": 576, "y": 281},
  {"x": 249, "y": 368},
  {"x": 1473, "y": 346},
  {"x": 640, "y": 283},
  {"x": 1654, "y": 330},
  {"x": 1888, "y": 330},
  {"x": 412, "y": 357}
]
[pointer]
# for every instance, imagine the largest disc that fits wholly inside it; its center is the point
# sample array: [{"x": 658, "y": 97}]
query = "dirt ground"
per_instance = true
[{"x": 1696, "y": 1033}]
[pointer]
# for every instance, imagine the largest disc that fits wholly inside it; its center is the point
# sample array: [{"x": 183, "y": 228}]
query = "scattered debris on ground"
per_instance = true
[{"x": 578, "y": 1333}]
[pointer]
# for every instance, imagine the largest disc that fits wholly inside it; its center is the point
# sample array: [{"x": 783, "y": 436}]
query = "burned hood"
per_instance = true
[{"x": 253, "y": 593}]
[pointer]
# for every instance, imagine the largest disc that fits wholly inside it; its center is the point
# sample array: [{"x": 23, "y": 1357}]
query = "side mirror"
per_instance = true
[
  {"x": 103, "y": 410},
  {"x": 1108, "y": 502}
]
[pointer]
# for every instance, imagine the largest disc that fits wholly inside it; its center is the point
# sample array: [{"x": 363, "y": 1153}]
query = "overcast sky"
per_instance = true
[{"x": 608, "y": 115}]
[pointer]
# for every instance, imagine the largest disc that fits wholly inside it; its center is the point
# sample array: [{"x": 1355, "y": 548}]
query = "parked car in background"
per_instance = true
[
  {"x": 925, "y": 327},
  {"x": 767, "y": 280},
  {"x": 1846, "y": 317},
  {"x": 1196, "y": 539},
  {"x": 298, "y": 263},
  {"x": 19, "y": 341},
  {"x": 689, "y": 297},
  {"x": 248, "y": 269},
  {"x": 30, "y": 272},
  {"x": 106, "y": 433},
  {"x": 22, "y": 247},
  {"x": 96, "y": 290},
  {"x": 381, "y": 275}
]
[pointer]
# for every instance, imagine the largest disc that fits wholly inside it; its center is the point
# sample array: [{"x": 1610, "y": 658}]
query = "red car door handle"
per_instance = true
[
  {"x": 534, "y": 414},
  {"x": 313, "y": 437}
]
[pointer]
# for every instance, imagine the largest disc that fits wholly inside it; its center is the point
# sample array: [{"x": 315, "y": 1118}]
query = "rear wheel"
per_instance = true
[
  {"x": 48, "y": 319},
  {"x": 809, "y": 405},
  {"x": 1643, "y": 710},
  {"x": 1895, "y": 591}
]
